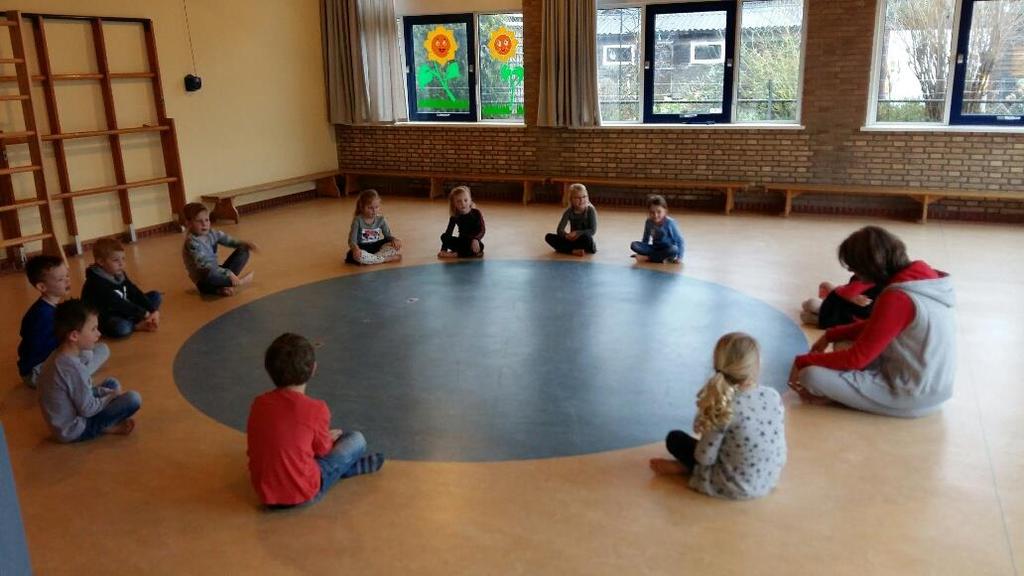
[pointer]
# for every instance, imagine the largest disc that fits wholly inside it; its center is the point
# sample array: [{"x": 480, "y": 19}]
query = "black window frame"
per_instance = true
[
  {"x": 728, "y": 80},
  {"x": 469, "y": 19},
  {"x": 956, "y": 115}
]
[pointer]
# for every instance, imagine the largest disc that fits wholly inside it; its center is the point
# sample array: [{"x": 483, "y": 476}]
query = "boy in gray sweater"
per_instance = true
[
  {"x": 74, "y": 409},
  {"x": 200, "y": 254}
]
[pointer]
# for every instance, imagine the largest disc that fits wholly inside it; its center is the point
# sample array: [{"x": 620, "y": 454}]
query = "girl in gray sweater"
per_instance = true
[{"x": 742, "y": 445}]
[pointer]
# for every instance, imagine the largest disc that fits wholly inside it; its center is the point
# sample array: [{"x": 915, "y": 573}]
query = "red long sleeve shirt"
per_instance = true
[
  {"x": 893, "y": 312},
  {"x": 286, "y": 431}
]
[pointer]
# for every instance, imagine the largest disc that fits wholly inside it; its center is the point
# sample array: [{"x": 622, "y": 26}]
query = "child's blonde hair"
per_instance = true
[
  {"x": 365, "y": 198},
  {"x": 577, "y": 187},
  {"x": 455, "y": 192},
  {"x": 737, "y": 364}
]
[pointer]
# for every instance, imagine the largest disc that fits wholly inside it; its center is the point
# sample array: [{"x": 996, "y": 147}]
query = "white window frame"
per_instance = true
[
  {"x": 719, "y": 60},
  {"x": 604, "y": 55}
]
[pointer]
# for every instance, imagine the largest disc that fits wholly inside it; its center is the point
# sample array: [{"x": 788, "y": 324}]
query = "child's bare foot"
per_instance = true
[
  {"x": 666, "y": 467},
  {"x": 123, "y": 429},
  {"x": 226, "y": 291},
  {"x": 246, "y": 278},
  {"x": 395, "y": 258},
  {"x": 579, "y": 253},
  {"x": 641, "y": 258},
  {"x": 824, "y": 288},
  {"x": 447, "y": 254}
]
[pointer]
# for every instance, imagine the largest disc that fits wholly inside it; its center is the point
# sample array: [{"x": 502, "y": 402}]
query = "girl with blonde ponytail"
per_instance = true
[{"x": 742, "y": 445}]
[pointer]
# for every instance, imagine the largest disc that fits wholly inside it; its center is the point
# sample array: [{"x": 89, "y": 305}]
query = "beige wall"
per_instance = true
[{"x": 261, "y": 115}]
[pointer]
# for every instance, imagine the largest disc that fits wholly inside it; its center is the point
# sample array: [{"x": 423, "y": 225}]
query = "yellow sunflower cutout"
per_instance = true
[
  {"x": 441, "y": 45},
  {"x": 502, "y": 44}
]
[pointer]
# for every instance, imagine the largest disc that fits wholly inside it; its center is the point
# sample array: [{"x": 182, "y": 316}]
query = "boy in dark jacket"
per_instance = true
[{"x": 123, "y": 308}]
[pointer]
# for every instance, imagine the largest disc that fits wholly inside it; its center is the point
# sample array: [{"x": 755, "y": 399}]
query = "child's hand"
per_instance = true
[
  {"x": 356, "y": 253},
  {"x": 571, "y": 235},
  {"x": 235, "y": 281},
  {"x": 861, "y": 300},
  {"x": 335, "y": 434},
  {"x": 475, "y": 246},
  {"x": 396, "y": 243}
]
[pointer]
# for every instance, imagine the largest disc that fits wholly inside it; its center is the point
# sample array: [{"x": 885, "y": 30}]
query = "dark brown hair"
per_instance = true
[
  {"x": 104, "y": 247},
  {"x": 70, "y": 315},
  {"x": 873, "y": 254},
  {"x": 656, "y": 200},
  {"x": 290, "y": 360},
  {"x": 37, "y": 267},
  {"x": 193, "y": 209}
]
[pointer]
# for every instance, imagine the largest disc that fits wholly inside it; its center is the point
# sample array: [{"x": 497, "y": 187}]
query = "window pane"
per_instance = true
[
  {"x": 914, "y": 63},
  {"x": 994, "y": 79},
  {"x": 440, "y": 57},
  {"x": 694, "y": 86},
  {"x": 770, "y": 43},
  {"x": 618, "y": 64},
  {"x": 501, "y": 66}
]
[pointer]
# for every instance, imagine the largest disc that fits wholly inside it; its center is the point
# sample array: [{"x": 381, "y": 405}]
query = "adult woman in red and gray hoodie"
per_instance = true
[{"x": 903, "y": 358}]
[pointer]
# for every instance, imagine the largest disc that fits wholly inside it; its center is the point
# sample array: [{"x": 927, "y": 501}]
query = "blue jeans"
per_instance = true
[
  {"x": 236, "y": 263},
  {"x": 337, "y": 464},
  {"x": 118, "y": 410},
  {"x": 118, "y": 327},
  {"x": 657, "y": 252}
]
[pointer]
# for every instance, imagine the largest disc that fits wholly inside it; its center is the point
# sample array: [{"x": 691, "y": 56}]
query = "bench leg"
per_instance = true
[
  {"x": 565, "y": 193},
  {"x": 730, "y": 201},
  {"x": 527, "y": 192},
  {"x": 789, "y": 203},
  {"x": 925, "y": 201},
  {"x": 436, "y": 188},
  {"x": 328, "y": 187},
  {"x": 224, "y": 209},
  {"x": 351, "y": 184}
]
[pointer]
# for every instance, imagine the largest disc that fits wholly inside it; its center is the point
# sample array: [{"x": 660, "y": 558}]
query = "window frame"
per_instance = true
[
  {"x": 959, "y": 69},
  {"x": 953, "y": 105},
  {"x": 651, "y": 12},
  {"x": 480, "y": 44},
  {"x": 468, "y": 18},
  {"x": 693, "y": 53}
]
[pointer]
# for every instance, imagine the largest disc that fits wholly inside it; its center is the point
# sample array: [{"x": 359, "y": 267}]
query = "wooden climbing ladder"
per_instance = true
[{"x": 13, "y": 241}]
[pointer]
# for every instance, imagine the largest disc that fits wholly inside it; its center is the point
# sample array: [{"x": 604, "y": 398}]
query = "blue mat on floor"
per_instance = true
[
  {"x": 492, "y": 360},
  {"x": 13, "y": 547}
]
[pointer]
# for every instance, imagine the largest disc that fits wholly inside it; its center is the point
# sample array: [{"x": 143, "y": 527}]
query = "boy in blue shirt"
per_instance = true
[
  {"x": 50, "y": 276},
  {"x": 662, "y": 242}
]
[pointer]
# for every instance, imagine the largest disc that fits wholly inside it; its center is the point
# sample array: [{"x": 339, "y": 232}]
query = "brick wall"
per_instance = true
[{"x": 831, "y": 148}]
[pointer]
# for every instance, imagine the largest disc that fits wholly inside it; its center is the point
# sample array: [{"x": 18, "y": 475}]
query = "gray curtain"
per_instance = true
[
  {"x": 361, "y": 61},
  {"x": 568, "y": 68}
]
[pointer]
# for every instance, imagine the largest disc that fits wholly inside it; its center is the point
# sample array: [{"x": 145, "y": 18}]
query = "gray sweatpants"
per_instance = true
[{"x": 838, "y": 386}]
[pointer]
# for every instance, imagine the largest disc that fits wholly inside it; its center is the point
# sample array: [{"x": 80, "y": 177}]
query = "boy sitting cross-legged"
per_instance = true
[
  {"x": 294, "y": 455},
  {"x": 123, "y": 308},
  {"x": 200, "y": 254},
  {"x": 74, "y": 409},
  {"x": 49, "y": 275}
]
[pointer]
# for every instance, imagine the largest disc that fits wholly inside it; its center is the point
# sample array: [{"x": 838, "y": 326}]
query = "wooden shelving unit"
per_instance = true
[
  {"x": 112, "y": 131},
  {"x": 13, "y": 240}
]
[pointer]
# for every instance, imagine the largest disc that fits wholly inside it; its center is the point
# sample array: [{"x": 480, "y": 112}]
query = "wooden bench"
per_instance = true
[
  {"x": 926, "y": 196},
  {"x": 729, "y": 187},
  {"x": 437, "y": 180},
  {"x": 224, "y": 202}
]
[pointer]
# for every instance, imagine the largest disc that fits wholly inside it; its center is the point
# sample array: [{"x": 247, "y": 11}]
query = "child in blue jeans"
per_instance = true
[
  {"x": 294, "y": 455},
  {"x": 662, "y": 241},
  {"x": 74, "y": 409},
  {"x": 200, "y": 254}
]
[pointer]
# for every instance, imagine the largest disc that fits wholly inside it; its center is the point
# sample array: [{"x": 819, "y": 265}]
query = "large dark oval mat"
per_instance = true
[{"x": 491, "y": 360}]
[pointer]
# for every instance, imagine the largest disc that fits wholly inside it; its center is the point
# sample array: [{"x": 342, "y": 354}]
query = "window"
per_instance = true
[
  {"x": 927, "y": 74},
  {"x": 442, "y": 79},
  {"x": 701, "y": 90},
  {"x": 685, "y": 72},
  {"x": 707, "y": 52},
  {"x": 618, "y": 79},
  {"x": 501, "y": 66}
]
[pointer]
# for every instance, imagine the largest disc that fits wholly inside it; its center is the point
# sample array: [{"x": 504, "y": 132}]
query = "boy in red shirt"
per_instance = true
[{"x": 294, "y": 456}]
